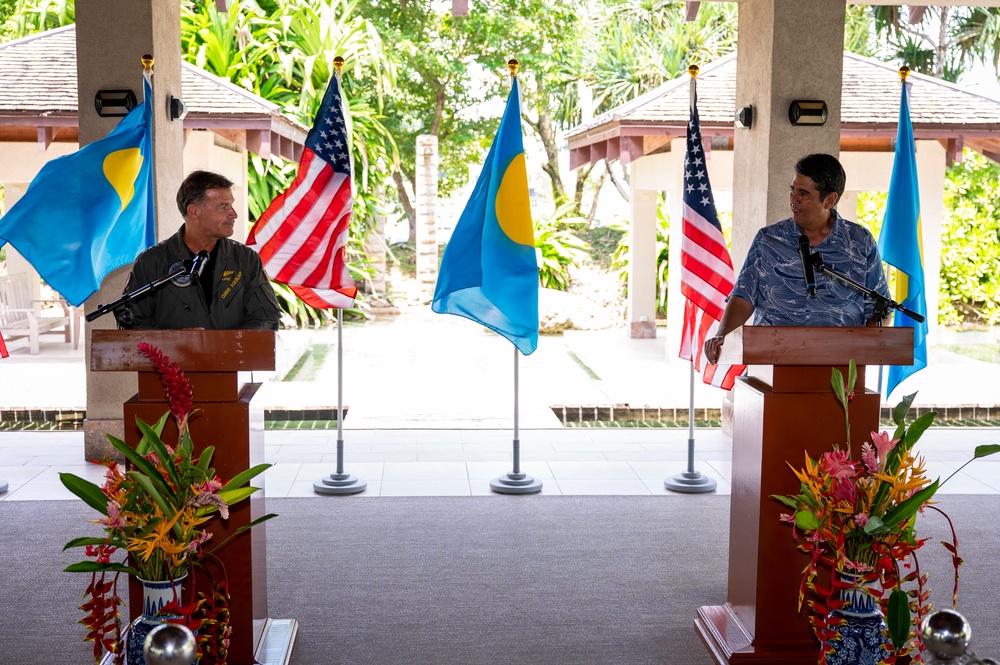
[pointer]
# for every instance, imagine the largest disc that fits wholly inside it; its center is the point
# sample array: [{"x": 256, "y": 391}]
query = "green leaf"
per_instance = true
[
  {"x": 986, "y": 451},
  {"x": 245, "y": 477},
  {"x": 144, "y": 466},
  {"x": 909, "y": 508},
  {"x": 900, "y": 410},
  {"x": 80, "y": 542},
  {"x": 94, "y": 567},
  {"x": 791, "y": 502},
  {"x": 237, "y": 494},
  {"x": 837, "y": 381},
  {"x": 874, "y": 525},
  {"x": 161, "y": 451},
  {"x": 143, "y": 446},
  {"x": 806, "y": 520},
  {"x": 852, "y": 376},
  {"x": 898, "y": 618},
  {"x": 205, "y": 459},
  {"x": 86, "y": 490}
]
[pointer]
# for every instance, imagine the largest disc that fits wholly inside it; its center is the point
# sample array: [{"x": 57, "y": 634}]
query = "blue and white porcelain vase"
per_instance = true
[
  {"x": 863, "y": 631},
  {"x": 155, "y": 596}
]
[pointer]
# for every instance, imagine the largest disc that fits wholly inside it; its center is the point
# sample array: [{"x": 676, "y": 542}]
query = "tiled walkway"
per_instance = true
[{"x": 431, "y": 413}]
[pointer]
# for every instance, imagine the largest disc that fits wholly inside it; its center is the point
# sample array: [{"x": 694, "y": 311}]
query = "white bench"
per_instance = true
[{"x": 19, "y": 318}]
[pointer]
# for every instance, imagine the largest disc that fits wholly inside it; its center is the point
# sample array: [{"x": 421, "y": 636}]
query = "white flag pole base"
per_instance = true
[
  {"x": 690, "y": 482},
  {"x": 340, "y": 483}
]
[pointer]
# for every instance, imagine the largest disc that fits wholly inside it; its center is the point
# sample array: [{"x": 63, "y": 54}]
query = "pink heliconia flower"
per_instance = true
[
  {"x": 114, "y": 519},
  {"x": 861, "y": 519},
  {"x": 195, "y": 545},
  {"x": 844, "y": 490},
  {"x": 211, "y": 499},
  {"x": 869, "y": 457},
  {"x": 883, "y": 445},
  {"x": 838, "y": 463},
  {"x": 787, "y": 517},
  {"x": 209, "y": 486}
]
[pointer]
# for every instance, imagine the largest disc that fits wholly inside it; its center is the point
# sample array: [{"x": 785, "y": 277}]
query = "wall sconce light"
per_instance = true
[
  {"x": 744, "y": 117},
  {"x": 177, "y": 108},
  {"x": 110, "y": 103},
  {"x": 811, "y": 112}
]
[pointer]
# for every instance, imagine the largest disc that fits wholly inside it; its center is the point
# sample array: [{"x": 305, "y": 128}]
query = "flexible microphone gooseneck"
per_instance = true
[{"x": 805, "y": 253}]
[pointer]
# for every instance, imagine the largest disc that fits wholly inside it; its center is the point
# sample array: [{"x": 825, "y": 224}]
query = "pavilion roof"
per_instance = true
[
  {"x": 39, "y": 98},
  {"x": 869, "y": 113}
]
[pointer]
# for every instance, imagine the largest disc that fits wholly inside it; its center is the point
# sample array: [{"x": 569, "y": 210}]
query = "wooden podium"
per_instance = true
[
  {"x": 226, "y": 418},
  {"x": 785, "y": 408}
]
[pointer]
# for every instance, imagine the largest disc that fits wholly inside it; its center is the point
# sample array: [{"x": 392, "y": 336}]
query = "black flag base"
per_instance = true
[
  {"x": 690, "y": 482},
  {"x": 516, "y": 483}
]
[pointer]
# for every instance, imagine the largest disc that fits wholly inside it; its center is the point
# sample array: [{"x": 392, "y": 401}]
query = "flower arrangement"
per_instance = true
[
  {"x": 859, "y": 517},
  {"x": 156, "y": 513}
]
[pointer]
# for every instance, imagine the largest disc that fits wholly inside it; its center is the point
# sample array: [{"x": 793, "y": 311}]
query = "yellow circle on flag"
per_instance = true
[
  {"x": 121, "y": 168},
  {"x": 513, "y": 206}
]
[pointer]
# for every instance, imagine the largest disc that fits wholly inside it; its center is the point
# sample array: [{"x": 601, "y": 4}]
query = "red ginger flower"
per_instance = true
[{"x": 175, "y": 384}]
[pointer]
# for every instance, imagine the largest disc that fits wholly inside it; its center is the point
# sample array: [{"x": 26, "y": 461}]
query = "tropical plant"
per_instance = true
[
  {"x": 558, "y": 248},
  {"x": 156, "y": 513},
  {"x": 940, "y": 41},
  {"x": 970, "y": 286},
  {"x": 859, "y": 517}
]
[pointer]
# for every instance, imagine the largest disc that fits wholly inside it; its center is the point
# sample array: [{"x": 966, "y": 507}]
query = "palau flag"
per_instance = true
[
  {"x": 89, "y": 212},
  {"x": 489, "y": 272},
  {"x": 899, "y": 243}
]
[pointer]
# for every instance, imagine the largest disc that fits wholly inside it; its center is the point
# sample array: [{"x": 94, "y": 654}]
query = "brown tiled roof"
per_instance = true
[
  {"x": 39, "y": 89},
  {"x": 869, "y": 110}
]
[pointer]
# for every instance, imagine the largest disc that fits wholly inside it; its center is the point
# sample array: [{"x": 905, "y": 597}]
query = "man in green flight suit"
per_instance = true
[{"x": 232, "y": 291}]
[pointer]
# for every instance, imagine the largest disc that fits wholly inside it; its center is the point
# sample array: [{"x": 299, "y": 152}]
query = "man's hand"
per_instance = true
[{"x": 713, "y": 346}]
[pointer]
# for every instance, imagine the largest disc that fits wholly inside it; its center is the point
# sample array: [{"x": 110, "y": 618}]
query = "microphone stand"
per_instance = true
[
  {"x": 882, "y": 304},
  {"x": 121, "y": 306}
]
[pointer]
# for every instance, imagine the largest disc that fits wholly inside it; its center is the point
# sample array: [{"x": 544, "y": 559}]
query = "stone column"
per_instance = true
[
  {"x": 111, "y": 38},
  {"x": 426, "y": 208},
  {"x": 795, "y": 51}
]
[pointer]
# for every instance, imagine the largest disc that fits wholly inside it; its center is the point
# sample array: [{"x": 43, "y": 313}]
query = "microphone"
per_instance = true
[
  {"x": 198, "y": 264},
  {"x": 805, "y": 253}
]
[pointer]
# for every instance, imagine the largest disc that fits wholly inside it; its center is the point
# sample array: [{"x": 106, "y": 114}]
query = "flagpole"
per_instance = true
[
  {"x": 691, "y": 481},
  {"x": 516, "y": 482},
  {"x": 340, "y": 482}
]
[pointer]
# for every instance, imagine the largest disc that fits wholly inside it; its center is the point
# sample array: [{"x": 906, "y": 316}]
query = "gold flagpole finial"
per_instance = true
[
  {"x": 904, "y": 72},
  {"x": 147, "y": 62},
  {"x": 512, "y": 65},
  {"x": 693, "y": 71},
  {"x": 338, "y": 63}
]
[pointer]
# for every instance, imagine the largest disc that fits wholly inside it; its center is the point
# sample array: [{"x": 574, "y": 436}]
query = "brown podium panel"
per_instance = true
[
  {"x": 226, "y": 418},
  {"x": 775, "y": 425}
]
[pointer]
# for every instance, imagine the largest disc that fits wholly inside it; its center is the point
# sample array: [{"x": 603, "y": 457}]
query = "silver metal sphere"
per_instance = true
[
  {"x": 169, "y": 644},
  {"x": 946, "y": 634}
]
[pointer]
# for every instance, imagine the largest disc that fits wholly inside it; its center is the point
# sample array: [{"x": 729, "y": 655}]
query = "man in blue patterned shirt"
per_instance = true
[{"x": 771, "y": 283}]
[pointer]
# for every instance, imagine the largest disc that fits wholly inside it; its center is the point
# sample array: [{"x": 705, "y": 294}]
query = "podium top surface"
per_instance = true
[
  {"x": 809, "y": 345},
  {"x": 192, "y": 350}
]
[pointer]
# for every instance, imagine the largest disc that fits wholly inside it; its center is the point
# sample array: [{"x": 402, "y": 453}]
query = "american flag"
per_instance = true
[
  {"x": 707, "y": 275},
  {"x": 302, "y": 236}
]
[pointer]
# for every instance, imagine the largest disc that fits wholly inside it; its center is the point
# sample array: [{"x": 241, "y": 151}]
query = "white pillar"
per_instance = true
[{"x": 642, "y": 251}]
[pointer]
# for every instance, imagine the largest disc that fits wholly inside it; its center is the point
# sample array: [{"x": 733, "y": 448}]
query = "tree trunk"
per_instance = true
[{"x": 404, "y": 201}]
